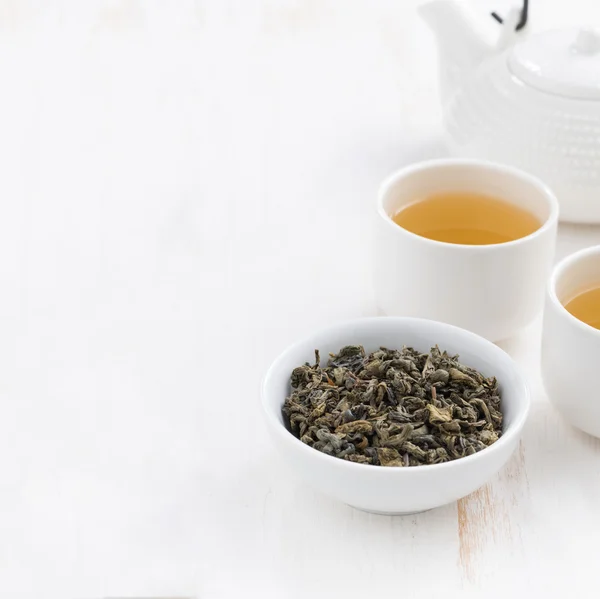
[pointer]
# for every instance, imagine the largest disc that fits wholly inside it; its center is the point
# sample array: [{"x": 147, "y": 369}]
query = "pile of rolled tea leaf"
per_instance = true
[{"x": 393, "y": 407}]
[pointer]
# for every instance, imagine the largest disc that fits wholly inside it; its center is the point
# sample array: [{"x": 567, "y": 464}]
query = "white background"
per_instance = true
[{"x": 185, "y": 189}]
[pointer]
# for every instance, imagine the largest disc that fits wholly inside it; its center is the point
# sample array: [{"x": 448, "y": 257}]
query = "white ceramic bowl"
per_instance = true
[
  {"x": 397, "y": 490},
  {"x": 571, "y": 348}
]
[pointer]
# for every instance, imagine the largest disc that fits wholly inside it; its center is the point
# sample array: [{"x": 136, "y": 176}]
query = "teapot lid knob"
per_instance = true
[{"x": 587, "y": 42}]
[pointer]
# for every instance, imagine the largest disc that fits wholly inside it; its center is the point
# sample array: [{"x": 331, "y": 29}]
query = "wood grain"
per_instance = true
[{"x": 485, "y": 518}]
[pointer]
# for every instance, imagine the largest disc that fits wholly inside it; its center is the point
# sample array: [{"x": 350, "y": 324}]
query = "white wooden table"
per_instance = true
[{"x": 185, "y": 189}]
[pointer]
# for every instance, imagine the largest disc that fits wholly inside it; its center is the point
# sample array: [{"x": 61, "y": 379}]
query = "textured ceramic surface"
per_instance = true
[
  {"x": 492, "y": 290},
  {"x": 570, "y": 348},
  {"x": 496, "y": 117},
  {"x": 397, "y": 490},
  {"x": 533, "y": 102}
]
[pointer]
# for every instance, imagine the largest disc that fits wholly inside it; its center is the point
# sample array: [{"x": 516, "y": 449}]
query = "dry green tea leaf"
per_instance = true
[
  {"x": 393, "y": 407},
  {"x": 358, "y": 426}
]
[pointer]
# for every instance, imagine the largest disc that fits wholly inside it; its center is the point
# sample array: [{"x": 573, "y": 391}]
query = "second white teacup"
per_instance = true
[
  {"x": 493, "y": 290},
  {"x": 570, "y": 347}
]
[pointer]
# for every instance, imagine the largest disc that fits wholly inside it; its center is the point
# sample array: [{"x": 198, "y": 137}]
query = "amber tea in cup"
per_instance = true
[
  {"x": 467, "y": 218},
  {"x": 586, "y": 307}
]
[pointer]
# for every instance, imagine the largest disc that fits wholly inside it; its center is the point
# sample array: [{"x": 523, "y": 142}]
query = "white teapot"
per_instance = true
[{"x": 531, "y": 101}]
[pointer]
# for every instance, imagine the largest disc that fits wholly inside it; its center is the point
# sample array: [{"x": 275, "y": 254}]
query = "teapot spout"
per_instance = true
[{"x": 462, "y": 43}]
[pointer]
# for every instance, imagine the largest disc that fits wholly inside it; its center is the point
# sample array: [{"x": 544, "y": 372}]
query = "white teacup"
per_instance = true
[
  {"x": 492, "y": 290},
  {"x": 571, "y": 348}
]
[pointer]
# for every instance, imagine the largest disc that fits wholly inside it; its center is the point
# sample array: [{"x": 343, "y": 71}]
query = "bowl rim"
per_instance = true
[
  {"x": 482, "y": 165},
  {"x": 564, "y": 265},
  {"x": 507, "y": 437}
]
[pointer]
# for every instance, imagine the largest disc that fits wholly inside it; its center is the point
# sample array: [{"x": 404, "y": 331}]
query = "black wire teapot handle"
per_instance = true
[{"x": 522, "y": 21}]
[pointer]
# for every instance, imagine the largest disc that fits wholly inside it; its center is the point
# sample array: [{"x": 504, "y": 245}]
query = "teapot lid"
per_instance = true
[{"x": 562, "y": 62}]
